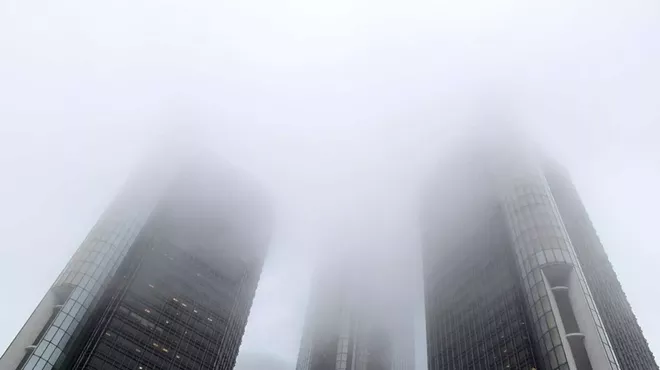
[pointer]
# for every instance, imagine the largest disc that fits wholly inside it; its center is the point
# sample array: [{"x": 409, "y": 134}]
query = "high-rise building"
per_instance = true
[
  {"x": 164, "y": 280},
  {"x": 330, "y": 335},
  {"x": 515, "y": 276},
  {"x": 353, "y": 325}
]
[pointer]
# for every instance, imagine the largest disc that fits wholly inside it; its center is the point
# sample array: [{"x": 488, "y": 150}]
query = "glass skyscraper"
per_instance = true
[
  {"x": 515, "y": 275},
  {"x": 330, "y": 336},
  {"x": 628, "y": 342},
  {"x": 351, "y": 325},
  {"x": 164, "y": 280}
]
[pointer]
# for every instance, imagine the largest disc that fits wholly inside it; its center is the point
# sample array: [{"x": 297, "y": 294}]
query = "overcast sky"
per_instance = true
[{"x": 309, "y": 96}]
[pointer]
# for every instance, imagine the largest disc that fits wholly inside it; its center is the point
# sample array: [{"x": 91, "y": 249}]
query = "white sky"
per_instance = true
[{"x": 309, "y": 95}]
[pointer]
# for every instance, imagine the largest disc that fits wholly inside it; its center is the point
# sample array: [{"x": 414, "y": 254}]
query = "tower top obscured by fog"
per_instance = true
[
  {"x": 515, "y": 275},
  {"x": 165, "y": 279},
  {"x": 360, "y": 312}
]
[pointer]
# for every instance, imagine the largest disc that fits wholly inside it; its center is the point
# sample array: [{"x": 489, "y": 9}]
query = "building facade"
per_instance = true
[
  {"x": 628, "y": 342},
  {"x": 164, "y": 280},
  {"x": 515, "y": 276}
]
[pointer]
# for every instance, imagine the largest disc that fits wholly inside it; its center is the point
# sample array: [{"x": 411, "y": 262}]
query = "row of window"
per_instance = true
[{"x": 140, "y": 342}]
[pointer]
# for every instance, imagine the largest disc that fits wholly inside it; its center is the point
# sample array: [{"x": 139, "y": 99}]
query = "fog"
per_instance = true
[{"x": 340, "y": 108}]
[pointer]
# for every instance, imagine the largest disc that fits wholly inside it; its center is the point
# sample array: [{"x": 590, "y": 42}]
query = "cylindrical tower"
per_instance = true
[
  {"x": 628, "y": 342},
  {"x": 165, "y": 279},
  {"x": 568, "y": 328}
]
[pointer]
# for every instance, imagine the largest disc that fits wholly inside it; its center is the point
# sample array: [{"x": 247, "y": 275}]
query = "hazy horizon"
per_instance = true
[{"x": 323, "y": 102}]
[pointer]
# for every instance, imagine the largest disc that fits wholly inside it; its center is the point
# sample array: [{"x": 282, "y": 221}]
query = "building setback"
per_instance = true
[
  {"x": 164, "y": 280},
  {"x": 515, "y": 275}
]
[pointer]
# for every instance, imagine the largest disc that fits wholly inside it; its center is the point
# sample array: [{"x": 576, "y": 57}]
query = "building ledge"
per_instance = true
[{"x": 575, "y": 336}]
